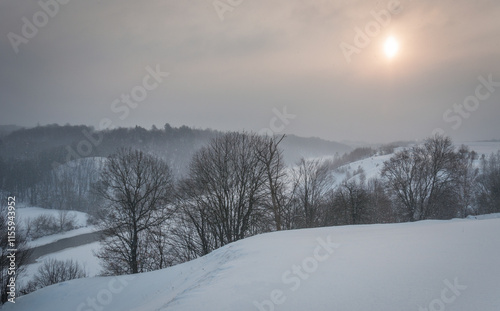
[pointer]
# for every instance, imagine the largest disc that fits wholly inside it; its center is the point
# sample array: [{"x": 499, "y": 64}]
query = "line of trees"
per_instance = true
[
  {"x": 238, "y": 186},
  {"x": 55, "y": 166},
  {"x": 54, "y": 271},
  {"x": 47, "y": 224}
]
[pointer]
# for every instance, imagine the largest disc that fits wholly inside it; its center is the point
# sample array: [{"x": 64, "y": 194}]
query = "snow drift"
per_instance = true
[{"x": 427, "y": 265}]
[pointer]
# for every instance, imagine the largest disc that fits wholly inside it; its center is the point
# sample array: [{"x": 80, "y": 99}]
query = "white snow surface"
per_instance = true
[
  {"x": 371, "y": 166},
  {"x": 426, "y": 265}
]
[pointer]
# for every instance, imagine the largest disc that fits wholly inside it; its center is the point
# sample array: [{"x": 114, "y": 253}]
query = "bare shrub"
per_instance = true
[{"x": 55, "y": 271}]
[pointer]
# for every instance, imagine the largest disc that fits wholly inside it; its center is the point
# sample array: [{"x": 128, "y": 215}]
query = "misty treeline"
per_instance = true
[
  {"x": 54, "y": 166},
  {"x": 238, "y": 186}
]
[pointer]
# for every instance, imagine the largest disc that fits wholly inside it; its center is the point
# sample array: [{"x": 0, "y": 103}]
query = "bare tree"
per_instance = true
[
  {"x": 66, "y": 221},
  {"x": 157, "y": 249},
  {"x": 313, "y": 181},
  {"x": 422, "y": 179},
  {"x": 351, "y": 199},
  {"x": 489, "y": 184},
  {"x": 137, "y": 188},
  {"x": 42, "y": 225},
  {"x": 381, "y": 207},
  {"x": 466, "y": 175},
  {"x": 184, "y": 242},
  {"x": 198, "y": 234},
  {"x": 279, "y": 188}
]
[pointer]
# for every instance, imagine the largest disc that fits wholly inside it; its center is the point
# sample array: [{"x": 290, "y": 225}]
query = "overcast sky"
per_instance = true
[{"x": 233, "y": 63}]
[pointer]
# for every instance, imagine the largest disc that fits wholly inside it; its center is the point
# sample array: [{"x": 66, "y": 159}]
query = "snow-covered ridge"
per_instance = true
[{"x": 427, "y": 265}]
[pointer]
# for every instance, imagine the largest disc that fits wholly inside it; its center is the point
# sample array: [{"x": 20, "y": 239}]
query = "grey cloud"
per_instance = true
[{"x": 266, "y": 54}]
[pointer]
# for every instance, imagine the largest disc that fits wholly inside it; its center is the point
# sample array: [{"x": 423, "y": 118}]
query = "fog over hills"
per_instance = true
[{"x": 175, "y": 144}]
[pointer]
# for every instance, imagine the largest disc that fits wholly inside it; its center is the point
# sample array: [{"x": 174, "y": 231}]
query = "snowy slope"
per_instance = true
[
  {"x": 428, "y": 265},
  {"x": 372, "y": 166}
]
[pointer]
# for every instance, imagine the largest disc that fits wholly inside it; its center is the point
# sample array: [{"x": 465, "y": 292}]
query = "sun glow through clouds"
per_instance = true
[{"x": 391, "y": 47}]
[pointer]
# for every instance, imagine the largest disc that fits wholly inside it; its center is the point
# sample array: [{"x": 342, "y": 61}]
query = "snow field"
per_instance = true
[{"x": 427, "y": 265}]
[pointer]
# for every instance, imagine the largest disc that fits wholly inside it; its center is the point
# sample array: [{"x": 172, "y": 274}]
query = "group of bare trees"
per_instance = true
[
  {"x": 435, "y": 181},
  {"x": 238, "y": 186},
  {"x": 320, "y": 201},
  {"x": 47, "y": 224},
  {"x": 54, "y": 271},
  {"x": 235, "y": 188}
]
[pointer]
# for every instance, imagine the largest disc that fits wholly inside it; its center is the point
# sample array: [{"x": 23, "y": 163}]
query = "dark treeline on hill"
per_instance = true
[
  {"x": 61, "y": 144},
  {"x": 54, "y": 166},
  {"x": 7, "y": 129},
  {"x": 68, "y": 142}
]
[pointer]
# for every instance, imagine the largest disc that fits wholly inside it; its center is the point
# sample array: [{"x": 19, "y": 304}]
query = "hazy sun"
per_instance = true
[{"x": 391, "y": 47}]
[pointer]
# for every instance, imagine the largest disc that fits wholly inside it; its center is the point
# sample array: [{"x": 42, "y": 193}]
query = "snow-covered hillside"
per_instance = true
[
  {"x": 372, "y": 166},
  {"x": 427, "y": 265}
]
